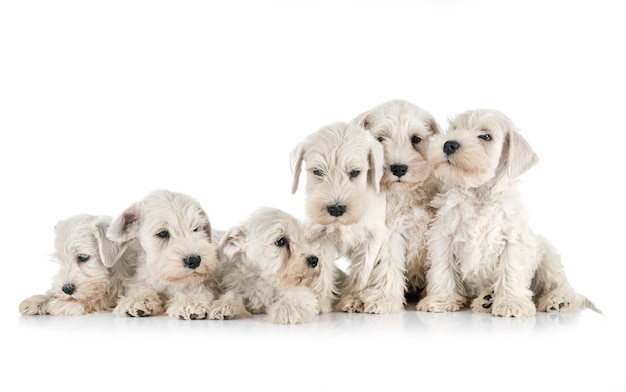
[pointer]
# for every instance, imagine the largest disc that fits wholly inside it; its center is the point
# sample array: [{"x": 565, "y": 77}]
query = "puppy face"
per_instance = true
[
  {"x": 480, "y": 146},
  {"x": 84, "y": 256},
  {"x": 405, "y": 131},
  {"x": 272, "y": 243},
  {"x": 175, "y": 233},
  {"x": 343, "y": 162}
]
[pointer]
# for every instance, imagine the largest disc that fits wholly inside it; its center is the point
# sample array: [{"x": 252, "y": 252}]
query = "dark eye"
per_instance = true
[
  {"x": 380, "y": 139},
  {"x": 282, "y": 241},
  {"x": 354, "y": 173},
  {"x": 82, "y": 258},
  {"x": 196, "y": 229},
  {"x": 318, "y": 173},
  {"x": 163, "y": 234},
  {"x": 486, "y": 137},
  {"x": 415, "y": 139}
]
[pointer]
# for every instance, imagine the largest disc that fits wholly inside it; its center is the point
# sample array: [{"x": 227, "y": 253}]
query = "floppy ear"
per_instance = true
[
  {"x": 363, "y": 121},
  {"x": 207, "y": 226},
  {"x": 517, "y": 153},
  {"x": 296, "y": 156},
  {"x": 376, "y": 159},
  {"x": 125, "y": 226},
  {"x": 434, "y": 126},
  {"x": 232, "y": 242},
  {"x": 110, "y": 251}
]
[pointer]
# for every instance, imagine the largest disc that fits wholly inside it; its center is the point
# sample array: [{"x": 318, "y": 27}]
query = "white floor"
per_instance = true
[{"x": 581, "y": 351}]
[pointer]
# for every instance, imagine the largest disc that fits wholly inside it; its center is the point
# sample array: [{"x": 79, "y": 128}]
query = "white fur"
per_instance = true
[
  {"x": 93, "y": 269},
  {"x": 344, "y": 166},
  {"x": 404, "y": 130},
  {"x": 267, "y": 266},
  {"x": 481, "y": 247},
  {"x": 167, "y": 281}
]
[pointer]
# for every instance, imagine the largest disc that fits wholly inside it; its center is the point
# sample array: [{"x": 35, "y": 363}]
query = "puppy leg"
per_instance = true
[
  {"x": 296, "y": 305},
  {"x": 550, "y": 284},
  {"x": 35, "y": 305},
  {"x": 229, "y": 306},
  {"x": 444, "y": 289},
  {"x": 363, "y": 260},
  {"x": 139, "y": 302},
  {"x": 326, "y": 287},
  {"x": 512, "y": 296},
  {"x": 385, "y": 293},
  {"x": 190, "y": 306},
  {"x": 57, "y": 307}
]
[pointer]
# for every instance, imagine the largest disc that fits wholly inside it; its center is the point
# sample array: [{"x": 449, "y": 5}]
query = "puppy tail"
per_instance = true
[{"x": 587, "y": 303}]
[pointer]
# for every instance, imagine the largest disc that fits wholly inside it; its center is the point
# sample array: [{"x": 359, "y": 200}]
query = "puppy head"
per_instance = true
[
  {"x": 405, "y": 131},
  {"x": 272, "y": 242},
  {"x": 480, "y": 146},
  {"x": 84, "y": 255},
  {"x": 175, "y": 233},
  {"x": 343, "y": 164}
]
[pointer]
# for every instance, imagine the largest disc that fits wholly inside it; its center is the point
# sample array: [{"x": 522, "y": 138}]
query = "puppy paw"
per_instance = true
[
  {"x": 555, "y": 301},
  {"x": 35, "y": 305},
  {"x": 513, "y": 307},
  {"x": 65, "y": 308},
  {"x": 138, "y": 307},
  {"x": 226, "y": 310},
  {"x": 482, "y": 303},
  {"x": 189, "y": 310},
  {"x": 350, "y": 304},
  {"x": 437, "y": 304},
  {"x": 377, "y": 303},
  {"x": 289, "y": 314}
]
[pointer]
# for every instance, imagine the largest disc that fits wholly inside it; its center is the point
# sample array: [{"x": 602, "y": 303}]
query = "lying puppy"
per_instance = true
[
  {"x": 92, "y": 269},
  {"x": 267, "y": 266}
]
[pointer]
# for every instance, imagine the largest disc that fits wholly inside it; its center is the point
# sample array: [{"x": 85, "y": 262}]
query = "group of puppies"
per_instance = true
[{"x": 418, "y": 213}]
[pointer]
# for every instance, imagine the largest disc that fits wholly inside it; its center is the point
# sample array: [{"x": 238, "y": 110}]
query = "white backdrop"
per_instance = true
[{"x": 101, "y": 102}]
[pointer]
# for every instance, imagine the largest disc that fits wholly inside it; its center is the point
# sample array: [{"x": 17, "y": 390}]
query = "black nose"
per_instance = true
[
  {"x": 336, "y": 210},
  {"x": 450, "y": 147},
  {"x": 192, "y": 261},
  {"x": 399, "y": 170},
  {"x": 68, "y": 289},
  {"x": 312, "y": 260}
]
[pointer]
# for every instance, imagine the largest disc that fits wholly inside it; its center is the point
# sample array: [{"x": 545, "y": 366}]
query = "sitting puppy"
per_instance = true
[
  {"x": 267, "y": 266},
  {"x": 177, "y": 260},
  {"x": 480, "y": 244},
  {"x": 344, "y": 207},
  {"x": 92, "y": 270},
  {"x": 404, "y": 130}
]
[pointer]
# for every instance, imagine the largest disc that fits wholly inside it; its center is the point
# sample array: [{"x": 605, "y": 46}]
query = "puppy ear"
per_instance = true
[
  {"x": 376, "y": 160},
  {"x": 110, "y": 251},
  {"x": 519, "y": 156},
  {"x": 363, "y": 121},
  {"x": 207, "y": 225},
  {"x": 232, "y": 242},
  {"x": 125, "y": 226},
  {"x": 296, "y": 156},
  {"x": 434, "y": 126}
]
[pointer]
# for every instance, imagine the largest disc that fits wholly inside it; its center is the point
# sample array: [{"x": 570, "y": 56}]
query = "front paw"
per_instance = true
[
  {"x": 438, "y": 304},
  {"x": 555, "y": 301},
  {"x": 35, "y": 305},
  {"x": 226, "y": 310},
  {"x": 189, "y": 310},
  {"x": 350, "y": 304},
  {"x": 376, "y": 302},
  {"x": 139, "y": 306},
  {"x": 513, "y": 307},
  {"x": 282, "y": 313}
]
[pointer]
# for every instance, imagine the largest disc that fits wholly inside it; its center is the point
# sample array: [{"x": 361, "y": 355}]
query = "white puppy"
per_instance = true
[
  {"x": 177, "y": 261},
  {"x": 92, "y": 269},
  {"x": 404, "y": 130},
  {"x": 480, "y": 244},
  {"x": 267, "y": 266},
  {"x": 344, "y": 205}
]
